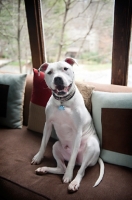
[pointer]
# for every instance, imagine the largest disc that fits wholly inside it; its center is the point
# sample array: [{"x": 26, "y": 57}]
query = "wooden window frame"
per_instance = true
[
  {"x": 36, "y": 32},
  {"x": 121, "y": 37},
  {"x": 121, "y": 41}
]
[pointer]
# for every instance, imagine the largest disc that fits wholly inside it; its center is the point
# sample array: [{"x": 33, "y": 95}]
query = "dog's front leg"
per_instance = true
[
  {"x": 46, "y": 135},
  {"x": 69, "y": 170}
]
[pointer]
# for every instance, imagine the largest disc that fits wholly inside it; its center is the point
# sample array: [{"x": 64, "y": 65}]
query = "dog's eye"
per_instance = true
[
  {"x": 65, "y": 68},
  {"x": 50, "y": 72}
]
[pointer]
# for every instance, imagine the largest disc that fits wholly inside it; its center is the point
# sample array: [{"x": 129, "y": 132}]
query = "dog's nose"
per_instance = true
[{"x": 58, "y": 81}]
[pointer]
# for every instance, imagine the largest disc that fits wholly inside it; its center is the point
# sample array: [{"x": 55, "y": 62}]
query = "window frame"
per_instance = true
[
  {"x": 36, "y": 32},
  {"x": 121, "y": 42}
]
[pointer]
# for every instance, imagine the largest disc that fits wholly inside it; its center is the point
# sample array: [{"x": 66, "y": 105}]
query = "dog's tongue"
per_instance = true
[
  {"x": 62, "y": 89},
  {"x": 66, "y": 89}
]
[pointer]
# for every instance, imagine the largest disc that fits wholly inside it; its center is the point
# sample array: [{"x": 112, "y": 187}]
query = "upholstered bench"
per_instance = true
[{"x": 111, "y": 109}]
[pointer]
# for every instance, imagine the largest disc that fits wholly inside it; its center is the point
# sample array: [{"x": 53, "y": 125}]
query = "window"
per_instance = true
[
  {"x": 86, "y": 33},
  {"x": 15, "y": 54},
  {"x": 82, "y": 30}
]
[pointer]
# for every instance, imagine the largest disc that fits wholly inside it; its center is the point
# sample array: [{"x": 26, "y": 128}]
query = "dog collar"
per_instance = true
[{"x": 64, "y": 99}]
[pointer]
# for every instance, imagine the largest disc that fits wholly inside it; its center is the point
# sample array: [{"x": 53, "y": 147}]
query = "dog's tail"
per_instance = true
[{"x": 101, "y": 163}]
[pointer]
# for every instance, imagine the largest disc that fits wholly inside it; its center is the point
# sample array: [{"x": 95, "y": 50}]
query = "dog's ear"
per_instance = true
[
  {"x": 43, "y": 68},
  {"x": 71, "y": 61}
]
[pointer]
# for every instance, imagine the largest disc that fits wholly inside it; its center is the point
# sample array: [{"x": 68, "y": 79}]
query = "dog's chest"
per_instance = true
[
  {"x": 63, "y": 121},
  {"x": 60, "y": 116}
]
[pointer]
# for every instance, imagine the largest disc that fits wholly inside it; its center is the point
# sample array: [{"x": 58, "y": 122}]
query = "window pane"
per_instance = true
[
  {"x": 84, "y": 31},
  {"x": 15, "y": 55}
]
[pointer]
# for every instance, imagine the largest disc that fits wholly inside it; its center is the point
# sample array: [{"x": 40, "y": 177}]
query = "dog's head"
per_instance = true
[{"x": 59, "y": 76}]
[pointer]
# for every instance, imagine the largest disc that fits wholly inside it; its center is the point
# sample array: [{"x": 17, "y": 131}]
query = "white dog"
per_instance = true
[{"x": 66, "y": 111}]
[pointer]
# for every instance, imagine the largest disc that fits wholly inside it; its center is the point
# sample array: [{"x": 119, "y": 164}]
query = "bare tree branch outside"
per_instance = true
[
  {"x": 82, "y": 29},
  {"x": 14, "y": 39},
  {"x": 78, "y": 29}
]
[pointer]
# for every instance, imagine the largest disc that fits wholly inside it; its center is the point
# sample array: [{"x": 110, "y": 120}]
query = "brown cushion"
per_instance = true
[
  {"x": 110, "y": 87},
  {"x": 17, "y": 174}
]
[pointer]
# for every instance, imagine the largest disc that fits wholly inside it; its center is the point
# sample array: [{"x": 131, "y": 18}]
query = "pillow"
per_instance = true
[
  {"x": 86, "y": 92},
  {"x": 12, "y": 88},
  {"x": 40, "y": 96},
  {"x": 112, "y": 117}
]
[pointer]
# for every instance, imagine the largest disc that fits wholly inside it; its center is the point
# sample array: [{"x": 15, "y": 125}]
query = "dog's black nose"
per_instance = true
[{"x": 58, "y": 81}]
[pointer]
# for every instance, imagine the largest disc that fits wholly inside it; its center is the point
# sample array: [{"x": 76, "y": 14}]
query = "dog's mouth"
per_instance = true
[{"x": 61, "y": 90}]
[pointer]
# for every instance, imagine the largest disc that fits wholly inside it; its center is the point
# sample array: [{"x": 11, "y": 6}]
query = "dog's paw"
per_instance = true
[
  {"x": 41, "y": 170},
  {"x": 67, "y": 178},
  {"x": 36, "y": 159},
  {"x": 73, "y": 186}
]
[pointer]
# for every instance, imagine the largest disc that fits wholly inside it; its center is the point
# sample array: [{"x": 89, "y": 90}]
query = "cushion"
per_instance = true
[
  {"x": 40, "y": 96},
  {"x": 18, "y": 180},
  {"x": 12, "y": 88},
  {"x": 86, "y": 92},
  {"x": 112, "y": 114}
]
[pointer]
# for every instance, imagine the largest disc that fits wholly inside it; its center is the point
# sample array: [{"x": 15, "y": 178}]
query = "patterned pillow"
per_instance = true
[
  {"x": 112, "y": 116},
  {"x": 40, "y": 97},
  {"x": 86, "y": 92},
  {"x": 12, "y": 88}
]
